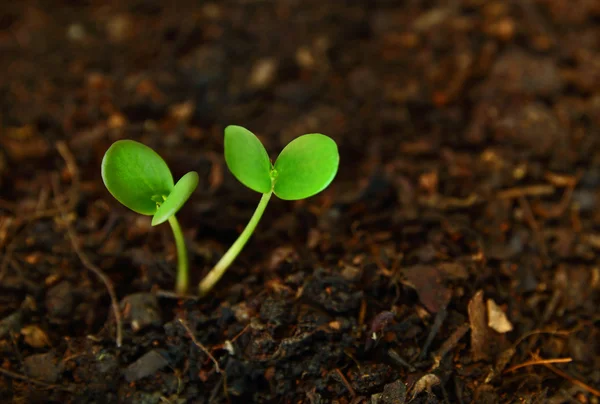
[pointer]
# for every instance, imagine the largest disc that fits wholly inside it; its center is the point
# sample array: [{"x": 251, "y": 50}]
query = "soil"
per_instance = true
[{"x": 454, "y": 259}]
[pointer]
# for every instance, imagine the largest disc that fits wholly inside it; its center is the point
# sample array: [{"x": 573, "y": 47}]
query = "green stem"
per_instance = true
[
  {"x": 181, "y": 283},
  {"x": 217, "y": 272}
]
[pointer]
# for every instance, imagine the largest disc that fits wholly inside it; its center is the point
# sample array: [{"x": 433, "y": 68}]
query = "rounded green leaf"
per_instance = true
[
  {"x": 136, "y": 175},
  {"x": 247, "y": 159},
  {"x": 306, "y": 166},
  {"x": 178, "y": 196}
]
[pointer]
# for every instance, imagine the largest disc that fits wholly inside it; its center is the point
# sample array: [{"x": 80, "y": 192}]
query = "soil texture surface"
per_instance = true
[{"x": 454, "y": 258}]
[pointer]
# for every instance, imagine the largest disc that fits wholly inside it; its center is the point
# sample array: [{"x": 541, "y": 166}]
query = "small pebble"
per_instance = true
[
  {"x": 43, "y": 367},
  {"x": 393, "y": 393},
  {"x": 145, "y": 366},
  {"x": 141, "y": 310},
  {"x": 59, "y": 300},
  {"x": 263, "y": 73},
  {"x": 76, "y": 32}
]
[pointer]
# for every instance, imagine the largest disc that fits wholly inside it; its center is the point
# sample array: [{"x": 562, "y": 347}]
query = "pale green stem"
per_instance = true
[
  {"x": 181, "y": 283},
  {"x": 217, "y": 272}
]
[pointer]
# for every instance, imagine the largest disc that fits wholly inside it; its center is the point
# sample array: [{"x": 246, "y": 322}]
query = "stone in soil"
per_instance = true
[{"x": 147, "y": 365}]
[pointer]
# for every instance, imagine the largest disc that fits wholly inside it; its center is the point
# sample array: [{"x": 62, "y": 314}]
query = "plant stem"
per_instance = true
[
  {"x": 181, "y": 283},
  {"x": 217, "y": 272}
]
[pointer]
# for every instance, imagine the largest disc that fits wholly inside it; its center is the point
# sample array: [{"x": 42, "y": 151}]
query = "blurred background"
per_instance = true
[{"x": 469, "y": 135}]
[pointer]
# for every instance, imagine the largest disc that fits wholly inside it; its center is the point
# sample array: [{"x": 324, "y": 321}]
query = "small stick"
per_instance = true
[
  {"x": 538, "y": 362},
  {"x": 346, "y": 383},
  {"x": 215, "y": 176},
  {"x": 199, "y": 345},
  {"x": 239, "y": 334},
  {"x": 71, "y": 163},
  {"x": 167, "y": 294},
  {"x": 569, "y": 378},
  {"x": 532, "y": 190},
  {"x": 362, "y": 312},
  {"x": 395, "y": 356},
  {"x": 435, "y": 328},
  {"x": 88, "y": 264},
  {"x": 358, "y": 400},
  {"x": 534, "y": 226},
  {"x": 8, "y": 251},
  {"x": 449, "y": 344},
  {"x": 558, "y": 209},
  {"x": 222, "y": 383}
]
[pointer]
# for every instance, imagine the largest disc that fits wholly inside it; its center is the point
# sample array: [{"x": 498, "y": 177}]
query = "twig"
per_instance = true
[
  {"x": 5, "y": 223},
  {"x": 458, "y": 388},
  {"x": 362, "y": 312},
  {"x": 532, "y": 190},
  {"x": 395, "y": 356},
  {"x": 20, "y": 359},
  {"x": 199, "y": 345},
  {"x": 39, "y": 213},
  {"x": 506, "y": 356},
  {"x": 167, "y": 294},
  {"x": 346, "y": 383},
  {"x": 564, "y": 180},
  {"x": 537, "y": 362},
  {"x": 20, "y": 272},
  {"x": 534, "y": 226},
  {"x": 222, "y": 383},
  {"x": 435, "y": 328},
  {"x": 88, "y": 264},
  {"x": 8, "y": 251},
  {"x": 449, "y": 344},
  {"x": 358, "y": 400},
  {"x": 18, "y": 376},
  {"x": 569, "y": 378},
  {"x": 230, "y": 342},
  {"x": 538, "y": 332},
  {"x": 71, "y": 163},
  {"x": 239, "y": 334},
  {"x": 215, "y": 176},
  {"x": 558, "y": 209}
]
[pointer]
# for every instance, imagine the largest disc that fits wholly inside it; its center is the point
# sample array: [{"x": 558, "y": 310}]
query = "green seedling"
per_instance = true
[
  {"x": 141, "y": 180},
  {"x": 305, "y": 167}
]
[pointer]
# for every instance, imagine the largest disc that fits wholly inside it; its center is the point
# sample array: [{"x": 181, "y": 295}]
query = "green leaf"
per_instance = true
[
  {"x": 306, "y": 166},
  {"x": 178, "y": 196},
  {"x": 136, "y": 175},
  {"x": 247, "y": 159}
]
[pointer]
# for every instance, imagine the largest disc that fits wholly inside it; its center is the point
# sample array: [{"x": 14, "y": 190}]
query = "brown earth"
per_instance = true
[{"x": 454, "y": 259}]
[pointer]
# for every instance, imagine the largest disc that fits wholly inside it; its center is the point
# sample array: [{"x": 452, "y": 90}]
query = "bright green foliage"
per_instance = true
[
  {"x": 135, "y": 174},
  {"x": 178, "y": 196},
  {"x": 305, "y": 167},
  {"x": 247, "y": 159},
  {"x": 141, "y": 180}
]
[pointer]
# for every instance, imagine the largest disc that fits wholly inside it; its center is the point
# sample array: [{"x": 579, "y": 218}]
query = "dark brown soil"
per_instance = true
[{"x": 454, "y": 259}]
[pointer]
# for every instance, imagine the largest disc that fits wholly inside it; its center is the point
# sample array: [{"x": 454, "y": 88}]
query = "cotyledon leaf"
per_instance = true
[
  {"x": 134, "y": 174},
  {"x": 247, "y": 159},
  {"x": 306, "y": 166},
  {"x": 178, "y": 196}
]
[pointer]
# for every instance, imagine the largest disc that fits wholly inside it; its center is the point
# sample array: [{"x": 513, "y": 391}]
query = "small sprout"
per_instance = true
[
  {"x": 141, "y": 180},
  {"x": 305, "y": 167}
]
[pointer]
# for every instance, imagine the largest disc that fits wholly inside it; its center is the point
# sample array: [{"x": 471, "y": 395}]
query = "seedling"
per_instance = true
[
  {"x": 305, "y": 167},
  {"x": 141, "y": 180}
]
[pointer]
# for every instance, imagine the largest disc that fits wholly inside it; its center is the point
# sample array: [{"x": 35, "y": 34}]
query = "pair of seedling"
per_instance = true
[{"x": 141, "y": 180}]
